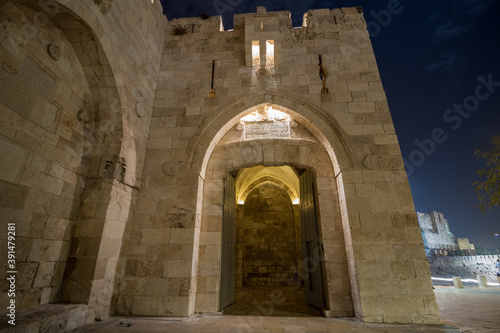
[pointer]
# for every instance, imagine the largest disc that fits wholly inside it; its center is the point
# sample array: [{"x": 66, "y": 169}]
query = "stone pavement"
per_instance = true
[
  {"x": 255, "y": 301},
  {"x": 466, "y": 310},
  {"x": 471, "y": 309},
  {"x": 252, "y": 324}
]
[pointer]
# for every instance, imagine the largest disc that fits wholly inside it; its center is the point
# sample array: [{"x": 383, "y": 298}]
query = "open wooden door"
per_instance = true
[
  {"x": 228, "y": 243},
  {"x": 311, "y": 244}
]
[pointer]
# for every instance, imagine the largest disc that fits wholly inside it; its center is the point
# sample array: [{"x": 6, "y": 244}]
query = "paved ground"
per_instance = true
[
  {"x": 292, "y": 302},
  {"x": 467, "y": 310},
  {"x": 471, "y": 309}
]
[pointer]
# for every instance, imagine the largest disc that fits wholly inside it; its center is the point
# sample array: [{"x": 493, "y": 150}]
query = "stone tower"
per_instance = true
[{"x": 138, "y": 152}]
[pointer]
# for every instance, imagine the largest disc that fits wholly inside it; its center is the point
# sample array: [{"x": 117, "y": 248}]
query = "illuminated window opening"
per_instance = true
[
  {"x": 255, "y": 53},
  {"x": 270, "y": 52}
]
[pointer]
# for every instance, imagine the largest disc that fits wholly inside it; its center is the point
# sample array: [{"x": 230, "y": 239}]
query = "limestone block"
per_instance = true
[
  {"x": 155, "y": 236},
  {"x": 173, "y": 306},
  {"x": 343, "y": 96},
  {"x": 359, "y": 67},
  {"x": 375, "y": 129},
  {"x": 46, "y": 250},
  {"x": 12, "y": 158},
  {"x": 373, "y": 252},
  {"x": 132, "y": 286},
  {"x": 155, "y": 287},
  {"x": 58, "y": 229},
  {"x": 402, "y": 270},
  {"x": 110, "y": 246},
  {"x": 373, "y": 84},
  {"x": 114, "y": 228},
  {"x": 76, "y": 317},
  {"x": 359, "y": 204},
  {"x": 26, "y": 274},
  {"x": 145, "y": 305},
  {"x": 315, "y": 88},
  {"x": 375, "y": 96},
  {"x": 353, "y": 129},
  {"x": 378, "y": 270},
  {"x": 398, "y": 237},
  {"x": 358, "y": 96},
  {"x": 418, "y": 286},
  {"x": 44, "y": 275},
  {"x": 150, "y": 268},
  {"x": 377, "y": 176},
  {"x": 389, "y": 129},
  {"x": 361, "y": 107},
  {"x": 206, "y": 303},
  {"x": 391, "y": 288},
  {"x": 178, "y": 268},
  {"x": 374, "y": 219},
  {"x": 413, "y": 235},
  {"x": 50, "y": 184}
]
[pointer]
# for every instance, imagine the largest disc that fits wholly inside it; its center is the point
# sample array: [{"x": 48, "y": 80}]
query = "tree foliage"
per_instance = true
[{"x": 488, "y": 187}]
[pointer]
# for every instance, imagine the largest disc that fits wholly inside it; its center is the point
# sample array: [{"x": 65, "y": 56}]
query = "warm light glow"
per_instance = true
[
  {"x": 269, "y": 114},
  {"x": 273, "y": 114},
  {"x": 270, "y": 52},
  {"x": 255, "y": 53},
  {"x": 252, "y": 117},
  {"x": 284, "y": 177}
]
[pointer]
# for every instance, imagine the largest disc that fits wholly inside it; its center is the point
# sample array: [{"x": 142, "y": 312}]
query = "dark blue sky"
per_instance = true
[{"x": 430, "y": 56}]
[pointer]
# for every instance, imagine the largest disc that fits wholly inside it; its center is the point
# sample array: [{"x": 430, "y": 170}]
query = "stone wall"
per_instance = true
[
  {"x": 268, "y": 238},
  {"x": 466, "y": 267},
  {"x": 45, "y": 138},
  {"x": 374, "y": 257},
  {"x": 77, "y": 81},
  {"x": 116, "y": 172}
]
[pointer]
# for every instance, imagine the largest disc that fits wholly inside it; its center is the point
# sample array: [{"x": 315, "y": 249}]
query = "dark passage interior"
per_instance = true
[{"x": 268, "y": 255}]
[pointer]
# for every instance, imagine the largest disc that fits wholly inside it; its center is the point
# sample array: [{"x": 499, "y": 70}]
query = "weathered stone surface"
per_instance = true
[
  {"x": 467, "y": 267},
  {"x": 115, "y": 148},
  {"x": 267, "y": 245}
]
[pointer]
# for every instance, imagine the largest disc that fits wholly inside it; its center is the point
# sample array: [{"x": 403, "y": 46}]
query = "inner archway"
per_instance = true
[{"x": 268, "y": 260}]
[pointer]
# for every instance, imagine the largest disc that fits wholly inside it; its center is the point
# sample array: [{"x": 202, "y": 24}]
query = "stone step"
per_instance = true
[{"x": 48, "y": 318}]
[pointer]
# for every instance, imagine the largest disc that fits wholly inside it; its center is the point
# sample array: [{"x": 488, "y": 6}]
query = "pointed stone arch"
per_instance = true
[
  {"x": 317, "y": 120},
  {"x": 267, "y": 179},
  {"x": 338, "y": 156},
  {"x": 110, "y": 158}
]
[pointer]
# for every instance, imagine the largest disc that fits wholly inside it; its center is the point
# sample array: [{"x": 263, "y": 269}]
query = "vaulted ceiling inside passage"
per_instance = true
[{"x": 282, "y": 176}]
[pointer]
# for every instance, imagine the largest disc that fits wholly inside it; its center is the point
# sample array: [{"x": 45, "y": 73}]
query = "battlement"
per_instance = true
[{"x": 327, "y": 18}]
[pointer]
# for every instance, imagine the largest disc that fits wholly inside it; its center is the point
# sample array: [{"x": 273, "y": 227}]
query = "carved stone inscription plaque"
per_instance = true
[
  {"x": 28, "y": 93},
  {"x": 267, "y": 129}
]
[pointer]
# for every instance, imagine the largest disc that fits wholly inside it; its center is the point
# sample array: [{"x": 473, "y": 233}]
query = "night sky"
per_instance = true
[{"x": 430, "y": 56}]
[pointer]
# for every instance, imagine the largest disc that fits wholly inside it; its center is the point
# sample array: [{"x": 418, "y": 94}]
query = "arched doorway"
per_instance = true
[
  {"x": 273, "y": 256},
  {"x": 233, "y": 156}
]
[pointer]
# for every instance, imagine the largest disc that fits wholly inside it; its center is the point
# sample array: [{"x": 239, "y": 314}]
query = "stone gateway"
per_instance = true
[{"x": 156, "y": 168}]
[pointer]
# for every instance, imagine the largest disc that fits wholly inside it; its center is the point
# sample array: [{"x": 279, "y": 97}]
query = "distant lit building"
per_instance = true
[
  {"x": 438, "y": 239},
  {"x": 466, "y": 246}
]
